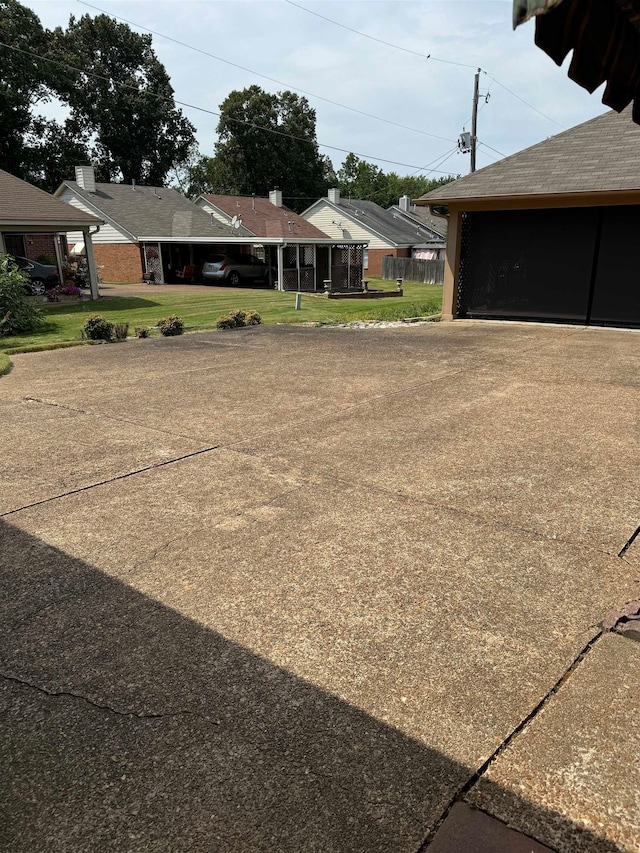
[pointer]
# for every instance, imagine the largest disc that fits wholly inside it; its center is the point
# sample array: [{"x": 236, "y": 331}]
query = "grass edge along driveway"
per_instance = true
[{"x": 200, "y": 311}]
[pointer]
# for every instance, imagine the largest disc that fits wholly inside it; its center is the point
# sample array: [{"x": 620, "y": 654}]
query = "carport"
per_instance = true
[
  {"x": 25, "y": 210},
  {"x": 550, "y": 233}
]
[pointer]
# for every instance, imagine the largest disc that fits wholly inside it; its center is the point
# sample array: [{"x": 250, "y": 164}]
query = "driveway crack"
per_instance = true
[{"x": 140, "y": 715}]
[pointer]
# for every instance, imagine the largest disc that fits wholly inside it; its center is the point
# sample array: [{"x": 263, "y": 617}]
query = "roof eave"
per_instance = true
[{"x": 565, "y": 199}]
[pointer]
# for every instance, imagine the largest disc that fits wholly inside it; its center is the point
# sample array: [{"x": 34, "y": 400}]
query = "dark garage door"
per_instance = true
[{"x": 576, "y": 265}]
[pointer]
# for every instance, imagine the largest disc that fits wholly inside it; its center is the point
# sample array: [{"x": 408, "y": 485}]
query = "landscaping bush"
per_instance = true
[
  {"x": 98, "y": 329},
  {"x": 142, "y": 331},
  {"x": 121, "y": 331},
  {"x": 239, "y": 318},
  {"x": 253, "y": 318},
  {"x": 18, "y": 312},
  {"x": 47, "y": 259},
  {"x": 226, "y": 322},
  {"x": 171, "y": 325}
]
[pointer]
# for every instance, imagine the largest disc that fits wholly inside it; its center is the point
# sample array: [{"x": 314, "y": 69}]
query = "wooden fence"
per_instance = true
[{"x": 413, "y": 269}]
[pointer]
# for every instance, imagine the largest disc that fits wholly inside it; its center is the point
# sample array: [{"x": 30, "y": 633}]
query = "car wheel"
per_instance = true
[
  {"x": 234, "y": 278},
  {"x": 37, "y": 287}
]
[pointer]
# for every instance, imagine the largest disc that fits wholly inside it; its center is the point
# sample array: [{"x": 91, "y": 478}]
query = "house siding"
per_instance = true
[
  {"x": 323, "y": 216},
  {"x": 219, "y": 217},
  {"x": 107, "y": 233},
  {"x": 118, "y": 262}
]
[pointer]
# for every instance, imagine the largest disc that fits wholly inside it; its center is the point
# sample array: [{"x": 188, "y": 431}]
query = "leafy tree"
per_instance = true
[
  {"x": 359, "y": 179},
  {"x": 124, "y": 98},
  {"x": 24, "y": 82},
  {"x": 249, "y": 160}
]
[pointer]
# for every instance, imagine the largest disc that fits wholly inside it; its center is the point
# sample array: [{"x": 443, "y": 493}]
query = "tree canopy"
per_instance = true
[
  {"x": 248, "y": 159},
  {"x": 359, "y": 179},
  {"x": 122, "y": 113}
]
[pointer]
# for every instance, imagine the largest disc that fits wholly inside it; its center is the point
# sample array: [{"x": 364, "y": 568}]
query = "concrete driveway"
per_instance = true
[{"x": 296, "y": 589}]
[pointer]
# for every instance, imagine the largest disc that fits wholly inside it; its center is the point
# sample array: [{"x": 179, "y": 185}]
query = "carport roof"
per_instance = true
[
  {"x": 22, "y": 204},
  {"x": 164, "y": 213},
  {"x": 598, "y": 156}
]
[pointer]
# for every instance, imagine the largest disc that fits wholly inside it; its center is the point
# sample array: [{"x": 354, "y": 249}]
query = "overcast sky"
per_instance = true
[{"x": 277, "y": 39}]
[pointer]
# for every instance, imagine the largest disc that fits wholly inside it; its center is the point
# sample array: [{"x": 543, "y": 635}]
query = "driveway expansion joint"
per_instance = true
[
  {"x": 629, "y": 542},
  {"x": 104, "y": 416},
  {"x": 480, "y": 772},
  {"x": 112, "y": 479}
]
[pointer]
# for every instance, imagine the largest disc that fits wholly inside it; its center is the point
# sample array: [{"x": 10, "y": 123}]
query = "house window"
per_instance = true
[{"x": 365, "y": 259}]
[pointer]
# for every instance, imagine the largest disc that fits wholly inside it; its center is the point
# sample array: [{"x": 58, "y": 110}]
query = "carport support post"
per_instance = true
[
  {"x": 451, "y": 263},
  {"x": 3, "y": 248},
  {"x": 280, "y": 249},
  {"x": 91, "y": 263},
  {"x": 56, "y": 246}
]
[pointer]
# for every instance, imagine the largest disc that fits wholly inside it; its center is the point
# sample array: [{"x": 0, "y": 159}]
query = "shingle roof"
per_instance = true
[
  {"x": 23, "y": 204},
  {"x": 265, "y": 219},
  {"x": 422, "y": 218},
  {"x": 371, "y": 215},
  {"x": 154, "y": 212},
  {"x": 601, "y": 155}
]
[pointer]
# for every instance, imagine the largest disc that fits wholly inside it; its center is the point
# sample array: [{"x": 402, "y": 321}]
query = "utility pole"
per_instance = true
[{"x": 474, "y": 120}]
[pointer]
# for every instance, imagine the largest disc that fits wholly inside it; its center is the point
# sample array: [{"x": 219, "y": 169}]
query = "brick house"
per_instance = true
[
  {"x": 366, "y": 221},
  {"x": 147, "y": 231}
]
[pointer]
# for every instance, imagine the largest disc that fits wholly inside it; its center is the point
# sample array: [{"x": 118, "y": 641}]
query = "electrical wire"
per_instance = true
[
  {"x": 173, "y": 101},
  {"x": 491, "y": 149},
  {"x": 264, "y": 76},
  {"x": 442, "y": 157},
  {"x": 425, "y": 56},
  {"x": 380, "y": 41}
]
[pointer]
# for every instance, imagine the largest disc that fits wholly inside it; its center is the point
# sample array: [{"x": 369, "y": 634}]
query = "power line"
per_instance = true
[
  {"x": 380, "y": 41},
  {"x": 493, "y": 149},
  {"x": 264, "y": 76},
  {"x": 424, "y": 56},
  {"x": 442, "y": 157},
  {"x": 187, "y": 105},
  {"x": 511, "y": 92}
]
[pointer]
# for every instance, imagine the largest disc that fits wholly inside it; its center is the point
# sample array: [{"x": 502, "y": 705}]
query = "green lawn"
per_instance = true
[{"x": 201, "y": 310}]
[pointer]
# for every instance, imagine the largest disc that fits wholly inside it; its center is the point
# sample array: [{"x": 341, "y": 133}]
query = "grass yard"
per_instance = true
[{"x": 200, "y": 311}]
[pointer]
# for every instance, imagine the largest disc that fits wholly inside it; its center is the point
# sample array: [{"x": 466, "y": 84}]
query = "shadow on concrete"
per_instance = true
[{"x": 128, "y": 727}]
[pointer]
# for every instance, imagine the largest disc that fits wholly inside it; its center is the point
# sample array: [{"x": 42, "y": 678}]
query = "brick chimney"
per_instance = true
[
  {"x": 275, "y": 197},
  {"x": 86, "y": 178}
]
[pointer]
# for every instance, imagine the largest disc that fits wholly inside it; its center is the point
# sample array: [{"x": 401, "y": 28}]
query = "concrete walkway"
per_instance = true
[{"x": 296, "y": 589}]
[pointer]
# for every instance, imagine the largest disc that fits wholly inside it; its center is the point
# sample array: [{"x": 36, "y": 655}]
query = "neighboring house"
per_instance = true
[
  {"x": 304, "y": 256},
  {"x": 150, "y": 231},
  {"x": 430, "y": 230},
  {"x": 32, "y": 222},
  {"x": 550, "y": 233},
  {"x": 355, "y": 219}
]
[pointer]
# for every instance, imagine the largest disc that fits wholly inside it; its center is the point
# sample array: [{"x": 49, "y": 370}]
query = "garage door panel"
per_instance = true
[{"x": 616, "y": 297}]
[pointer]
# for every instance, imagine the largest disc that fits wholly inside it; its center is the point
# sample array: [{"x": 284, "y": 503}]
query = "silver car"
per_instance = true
[{"x": 232, "y": 269}]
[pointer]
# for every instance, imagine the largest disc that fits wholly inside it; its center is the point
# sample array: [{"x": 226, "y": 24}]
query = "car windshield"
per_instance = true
[{"x": 215, "y": 259}]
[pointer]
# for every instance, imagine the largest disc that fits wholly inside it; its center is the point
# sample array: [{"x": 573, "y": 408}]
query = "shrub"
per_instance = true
[
  {"x": 121, "y": 331},
  {"x": 47, "y": 259},
  {"x": 18, "y": 312},
  {"x": 253, "y": 318},
  {"x": 226, "y": 322},
  {"x": 142, "y": 331},
  {"x": 239, "y": 318},
  {"x": 98, "y": 329},
  {"x": 171, "y": 325}
]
